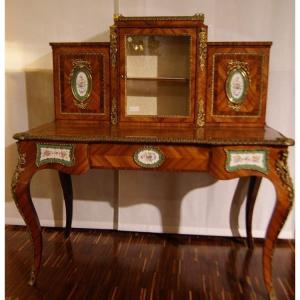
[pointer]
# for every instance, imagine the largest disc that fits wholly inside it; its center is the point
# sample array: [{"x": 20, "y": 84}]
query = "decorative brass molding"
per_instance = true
[
  {"x": 81, "y": 104},
  {"x": 287, "y": 141},
  {"x": 201, "y": 114},
  {"x": 113, "y": 46},
  {"x": 202, "y": 48},
  {"x": 84, "y": 66},
  {"x": 235, "y": 107},
  {"x": 137, "y": 139},
  {"x": 19, "y": 169},
  {"x": 80, "y": 63},
  {"x": 195, "y": 17},
  {"x": 283, "y": 172},
  {"x": 241, "y": 67},
  {"x": 236, "y": 64},
  {"x": 114, "y": 112}
]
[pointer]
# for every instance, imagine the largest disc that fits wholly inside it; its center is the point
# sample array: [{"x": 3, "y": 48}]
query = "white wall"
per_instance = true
[{"x": 142, "y": 201}]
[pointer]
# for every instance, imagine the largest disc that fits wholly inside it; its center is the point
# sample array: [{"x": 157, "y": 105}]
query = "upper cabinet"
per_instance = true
[
  {"x": 161, "y": 71},
  {"x": 154, "y": 63}
]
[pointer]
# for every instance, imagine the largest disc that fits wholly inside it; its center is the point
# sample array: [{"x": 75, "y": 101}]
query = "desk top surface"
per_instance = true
[{"x": 97, "y": 132}]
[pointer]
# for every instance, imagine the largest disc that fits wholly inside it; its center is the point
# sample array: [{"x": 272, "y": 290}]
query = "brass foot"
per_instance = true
[{"x": 32, "y": 279}]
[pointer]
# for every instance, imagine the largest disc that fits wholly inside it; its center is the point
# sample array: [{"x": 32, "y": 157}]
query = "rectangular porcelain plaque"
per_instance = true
[
  {"x": 55, "y": 153},
  {"x": 247, "y": 159}
]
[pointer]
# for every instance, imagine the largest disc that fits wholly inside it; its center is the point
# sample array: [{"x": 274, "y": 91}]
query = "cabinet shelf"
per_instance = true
[{"x": 177, "y": 79}]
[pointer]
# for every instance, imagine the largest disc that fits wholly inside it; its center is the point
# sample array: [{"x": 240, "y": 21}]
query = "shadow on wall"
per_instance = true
[
  {"x": 103, "y": 185},
  {"x": 40, "y": 109}
]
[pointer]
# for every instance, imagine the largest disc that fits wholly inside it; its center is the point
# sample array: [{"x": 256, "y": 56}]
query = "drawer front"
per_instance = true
[
  {"x": 236, "y": 161},
  {"x": 149, "y": 157}
]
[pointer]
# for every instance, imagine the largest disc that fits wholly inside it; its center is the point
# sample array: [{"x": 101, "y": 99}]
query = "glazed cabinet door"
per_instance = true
[{"x": 157, "y": 75}]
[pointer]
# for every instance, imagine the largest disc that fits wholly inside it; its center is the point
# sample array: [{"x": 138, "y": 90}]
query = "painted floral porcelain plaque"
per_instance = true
[
  {"x": 236, "y": 86},
  {"x": 81, "y": 84},
  {"x": 148, "y": 157},
  {"x": 247, "y": 159},
  {"x": 55, "y": 153}
]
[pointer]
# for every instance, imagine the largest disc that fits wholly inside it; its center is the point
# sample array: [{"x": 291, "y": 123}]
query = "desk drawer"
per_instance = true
[{"x": 153, "y": 157}]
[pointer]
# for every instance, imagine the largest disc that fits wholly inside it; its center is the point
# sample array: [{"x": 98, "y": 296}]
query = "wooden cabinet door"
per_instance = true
[
  {"x": 81, "y": 80},
  {"x": 237, "y": 83}
]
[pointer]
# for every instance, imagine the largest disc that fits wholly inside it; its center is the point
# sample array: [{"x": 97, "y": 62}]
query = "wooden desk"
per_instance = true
[{"x": 225, "y": 153}]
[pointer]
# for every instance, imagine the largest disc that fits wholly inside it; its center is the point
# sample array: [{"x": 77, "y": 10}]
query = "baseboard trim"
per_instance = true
[{"x": 152, "y": 228}]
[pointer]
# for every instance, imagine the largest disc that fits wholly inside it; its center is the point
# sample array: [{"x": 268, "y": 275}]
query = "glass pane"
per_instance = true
[
  {"x": 157, "y": 75},
  {"x": 157, "y": 97}
]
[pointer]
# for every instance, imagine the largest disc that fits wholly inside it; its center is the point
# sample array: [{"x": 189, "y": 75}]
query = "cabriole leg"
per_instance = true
[
  {"x": 21, "y": 193},
  {"x": 66, "y": 184},
  {"x": 284, "y": 200},
  {"x": 253, "y": 188}
]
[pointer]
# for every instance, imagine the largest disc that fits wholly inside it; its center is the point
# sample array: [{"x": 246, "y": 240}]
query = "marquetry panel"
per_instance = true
[
  {"x": 249, "y": 63},
  {"x": 175, "y": 158},
  {"x": 81, "y": 80}
]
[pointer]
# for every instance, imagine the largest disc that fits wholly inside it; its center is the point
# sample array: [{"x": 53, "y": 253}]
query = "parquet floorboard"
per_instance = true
[{"x": 112, "y": 265}]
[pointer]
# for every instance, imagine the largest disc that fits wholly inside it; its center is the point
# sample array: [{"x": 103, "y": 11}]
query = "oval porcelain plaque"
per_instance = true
[
  {"x": 236, "y": 86},
  {"x": 81, "y": 84},
  {"x": 148, "y": 157}
]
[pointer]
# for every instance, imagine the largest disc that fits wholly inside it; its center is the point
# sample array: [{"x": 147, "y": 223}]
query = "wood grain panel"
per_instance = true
[
  {"x": 253, "y": 108},
  {"x": 176, "y": 158},
  {"x": 97, "y": 104}
]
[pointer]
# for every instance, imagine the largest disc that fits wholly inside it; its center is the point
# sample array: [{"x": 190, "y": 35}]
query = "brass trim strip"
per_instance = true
[
  {"x": 201, "y": 114},
  {"x": 113, "y": 46},
  {"x": 195, "y": 17},
  {"x": 114, "y": 111},
  {"x": 202, "y": 48},
  {"x": 282, "y": 170},
  {"x": 102, "y": 139}
]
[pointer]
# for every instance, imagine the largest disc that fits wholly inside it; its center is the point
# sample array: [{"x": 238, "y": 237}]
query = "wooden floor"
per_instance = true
[{"x": 95, "y": 264}]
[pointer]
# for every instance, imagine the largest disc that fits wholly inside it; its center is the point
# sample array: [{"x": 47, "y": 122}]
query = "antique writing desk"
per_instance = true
[{"x": 158, "y": 97}]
